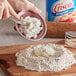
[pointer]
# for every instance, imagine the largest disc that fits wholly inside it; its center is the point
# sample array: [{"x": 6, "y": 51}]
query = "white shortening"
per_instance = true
[{"x": 32, "y": 27}]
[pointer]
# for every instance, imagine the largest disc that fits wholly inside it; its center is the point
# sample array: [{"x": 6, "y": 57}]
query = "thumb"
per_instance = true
[{"x": 35, "y": 9}]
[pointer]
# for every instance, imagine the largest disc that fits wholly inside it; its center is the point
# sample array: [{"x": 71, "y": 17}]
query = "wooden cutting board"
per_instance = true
[{"x": 7, "y": 62}]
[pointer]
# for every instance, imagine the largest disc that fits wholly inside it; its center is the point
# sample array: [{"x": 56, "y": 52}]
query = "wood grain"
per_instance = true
[
  {"x": 58, "y": 29},
  {"x": 7, "y": 59}
]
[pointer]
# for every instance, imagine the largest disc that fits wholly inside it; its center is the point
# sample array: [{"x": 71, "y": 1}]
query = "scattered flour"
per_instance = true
[
  {"x": 32, "y": 26},
  {"x": 45, "y": 57}
]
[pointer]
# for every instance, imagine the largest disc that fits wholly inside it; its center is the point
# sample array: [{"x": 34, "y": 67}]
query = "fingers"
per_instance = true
[
  {"x": 2, "y": 1},
  {"x": 33, "y": 8},
  {"x": 1, "y": 10},
  {"x": 12, "y": 12},
  {"x": 6, "y": 9},
  {"x": 6, "y": 13}
]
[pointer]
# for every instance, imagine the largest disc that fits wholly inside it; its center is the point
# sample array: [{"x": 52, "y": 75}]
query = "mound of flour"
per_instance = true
[{"x": 45, "y": 57}]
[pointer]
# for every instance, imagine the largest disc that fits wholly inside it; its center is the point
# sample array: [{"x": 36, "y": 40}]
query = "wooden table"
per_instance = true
[{"x": 7, "y": 57}]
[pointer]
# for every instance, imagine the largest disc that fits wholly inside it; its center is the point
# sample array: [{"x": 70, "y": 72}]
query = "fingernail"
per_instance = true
[
  {"x": 40, "y": 11},
  {"x": 19, "y": 17}
]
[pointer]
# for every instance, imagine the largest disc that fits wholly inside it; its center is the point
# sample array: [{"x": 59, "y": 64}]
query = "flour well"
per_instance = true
[{"x": 45, "y": 57}]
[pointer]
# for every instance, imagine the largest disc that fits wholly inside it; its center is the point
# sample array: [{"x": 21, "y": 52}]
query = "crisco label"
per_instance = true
[
  {"x": 56, "y": 9},
  {"x": 61, "y": 6}
]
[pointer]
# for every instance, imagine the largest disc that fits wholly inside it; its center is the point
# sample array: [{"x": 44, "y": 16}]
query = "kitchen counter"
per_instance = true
[{"x": 8, "y": 36}]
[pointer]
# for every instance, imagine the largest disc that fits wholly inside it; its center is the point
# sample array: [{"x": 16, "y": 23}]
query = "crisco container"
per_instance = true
[{"x": 61, "y": 10}]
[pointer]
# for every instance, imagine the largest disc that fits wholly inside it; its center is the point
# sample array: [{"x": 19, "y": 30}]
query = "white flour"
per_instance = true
[
  {"x": 46, "y": 57},
  {"x": 32, "y": 26}
]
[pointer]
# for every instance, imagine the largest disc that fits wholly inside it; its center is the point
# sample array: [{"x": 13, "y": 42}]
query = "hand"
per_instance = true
[
  {"x": 6, "y": 9},
  {"x": 20, "y": 5}
]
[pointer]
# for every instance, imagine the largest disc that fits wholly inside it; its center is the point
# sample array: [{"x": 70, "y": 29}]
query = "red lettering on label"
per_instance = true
[
  {"x": 59, "y": 7},
  {"x": 56, "y": 7}
]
